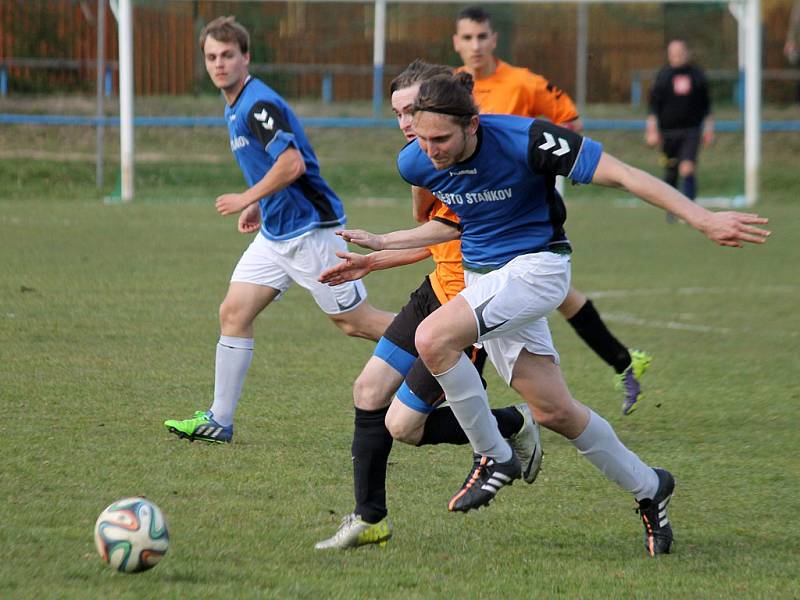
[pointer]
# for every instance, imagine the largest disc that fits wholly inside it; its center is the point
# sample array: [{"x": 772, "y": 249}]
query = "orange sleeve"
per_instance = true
[
  {"x": 448, "y": 277},
  {"x": 442, "y": 212},
  {"x": 549, "y": 101}
]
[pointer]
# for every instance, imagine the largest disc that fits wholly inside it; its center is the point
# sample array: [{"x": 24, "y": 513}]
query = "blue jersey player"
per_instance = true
[
  {"x": 293, "y": 210},
  {"x": 497, "y": 174}
]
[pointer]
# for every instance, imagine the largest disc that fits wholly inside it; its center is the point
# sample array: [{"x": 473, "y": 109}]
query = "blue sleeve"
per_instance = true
[
  {"x": 270, "y": 126},
  {"x": 280, "y": 142},
  {"x": 588, "y": 159},
  {"x": 405, "y": 165}
]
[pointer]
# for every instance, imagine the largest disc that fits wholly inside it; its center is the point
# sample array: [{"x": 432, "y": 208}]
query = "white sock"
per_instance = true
[
  {"x": 464, "y": 391},
  {"x": 233, "y": 359},
  {"x": 602, "y": 447}
]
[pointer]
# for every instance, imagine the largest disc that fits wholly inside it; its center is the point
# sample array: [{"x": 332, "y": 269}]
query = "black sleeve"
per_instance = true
[
  {"x": 453, "y": 224},
  {"x": 552, "y": 149},
  {"x": 265, "y": 120},
  {"x": 703, "y": 94},
  {"x": 657, "y": 93}
]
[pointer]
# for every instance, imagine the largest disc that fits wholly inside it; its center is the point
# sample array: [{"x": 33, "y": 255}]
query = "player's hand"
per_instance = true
[
  {"x": 250, "y": 219},
  {"x": 353, "y": 266},
  {"x": 731, "y": 228},
  {"x": 652, "y": 138},
  {"x": 362, "y": 238},
  {"x": 230, "y": 204}
]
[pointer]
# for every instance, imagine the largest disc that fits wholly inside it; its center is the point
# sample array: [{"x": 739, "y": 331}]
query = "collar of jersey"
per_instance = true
[{"x": 241, "y": 91}]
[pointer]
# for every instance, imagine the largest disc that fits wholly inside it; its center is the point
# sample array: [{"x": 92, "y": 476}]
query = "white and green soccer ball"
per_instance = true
[{"x": 131, "y": 535}]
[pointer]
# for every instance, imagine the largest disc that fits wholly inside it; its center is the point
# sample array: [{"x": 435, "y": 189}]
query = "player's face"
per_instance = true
[
  {"x": 475, "y": 43},
  {"x": 677, "y": 54},
  {"x": 442, "y": 139},
  {"x": 225, "y": 63},
  {"x": 402, "y": 101}
]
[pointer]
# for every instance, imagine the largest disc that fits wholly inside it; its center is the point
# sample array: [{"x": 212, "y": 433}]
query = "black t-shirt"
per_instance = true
[{"x": 679, "y": 98}]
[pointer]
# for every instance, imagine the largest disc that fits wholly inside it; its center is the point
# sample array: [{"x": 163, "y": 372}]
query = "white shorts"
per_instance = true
[
  {"x": 511, "y": 305},
  {"x": 277, "y": 263}
]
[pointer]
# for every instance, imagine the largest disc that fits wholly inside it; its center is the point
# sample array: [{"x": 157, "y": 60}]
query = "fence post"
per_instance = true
[
  {"x": 378, "y": 56},
  {"x": 636, "y": 89},
  {"x": 327, "y": 87}
]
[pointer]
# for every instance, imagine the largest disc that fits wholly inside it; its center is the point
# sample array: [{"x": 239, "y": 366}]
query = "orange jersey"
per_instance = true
[
  {"x": 517, "y": 91},
  {"x": 448, "y": 278}
]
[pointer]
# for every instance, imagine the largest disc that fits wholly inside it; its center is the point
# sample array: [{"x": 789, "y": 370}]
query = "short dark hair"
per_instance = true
[
  {"x": 449, "y": 95},
  {"x": 417, "y": 72},
  {"x": 477, "y": 14},
  {"x": 226, "y": 29}
]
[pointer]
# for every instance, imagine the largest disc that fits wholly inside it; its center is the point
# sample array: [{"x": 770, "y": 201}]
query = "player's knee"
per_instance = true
[
  {"x": 686, "y": 168},
  {"x": 401, "y": 430},
  {"x": 367, "y": 393},
  {"x": 231, "y": 315},
  {"x": 348, "y": 326},
  {"x": 428, "y": 342}
]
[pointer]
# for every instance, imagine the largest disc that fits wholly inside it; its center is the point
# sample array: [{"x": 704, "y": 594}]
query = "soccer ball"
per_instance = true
[{"x": 131, "y": 535}]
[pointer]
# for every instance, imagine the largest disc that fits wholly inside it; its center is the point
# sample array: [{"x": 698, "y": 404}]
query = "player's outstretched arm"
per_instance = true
[
  {"x": 728, "y": 228},
  {"x": 432, "y": 232},
  {"x": 355, "y": 266}
]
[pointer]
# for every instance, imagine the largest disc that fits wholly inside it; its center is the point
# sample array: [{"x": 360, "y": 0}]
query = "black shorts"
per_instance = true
[
  {"x": 426, "y": 393},
  {"x": 679, "y": 145},
  {"x": 421, "y": 303}
]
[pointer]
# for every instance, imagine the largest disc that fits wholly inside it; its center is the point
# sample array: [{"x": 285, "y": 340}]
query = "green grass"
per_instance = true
[{"x": 108, "y": 325}]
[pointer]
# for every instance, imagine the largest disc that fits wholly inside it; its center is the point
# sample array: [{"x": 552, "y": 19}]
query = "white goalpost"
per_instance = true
[
  {"x": 747, "y": 13},
  {"x": 123, "y": 11}
]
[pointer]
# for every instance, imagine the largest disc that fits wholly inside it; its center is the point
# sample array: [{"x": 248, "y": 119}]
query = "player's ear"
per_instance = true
[
  {"x": 473, "y": 124},
  {"x": 455, "y": 42},
  {"x": 246, "y": 58}
]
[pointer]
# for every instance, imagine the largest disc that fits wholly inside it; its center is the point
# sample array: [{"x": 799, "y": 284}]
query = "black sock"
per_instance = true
[
  {"x": 372, "y": 443},
  {"x": 442, "y": 427},
  {"x": 690, "y": 186},
  {"x": 590, "y": 327},
  {"x": 671, "y": 176}
]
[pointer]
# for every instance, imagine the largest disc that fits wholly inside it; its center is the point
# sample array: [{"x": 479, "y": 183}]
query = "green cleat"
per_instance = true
[
  {"x": 200, "y": 427},
  {"x": 629, "y": 380},
  {"x": 353, "y": 532}
]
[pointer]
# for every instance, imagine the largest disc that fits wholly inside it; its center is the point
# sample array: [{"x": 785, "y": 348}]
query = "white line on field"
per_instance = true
[
  {"x": 632, "y": 320},
  {"x": 694, "y": 291}
]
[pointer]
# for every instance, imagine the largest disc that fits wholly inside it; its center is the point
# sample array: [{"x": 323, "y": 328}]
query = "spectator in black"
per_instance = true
[{"x": 680, "y": 115}]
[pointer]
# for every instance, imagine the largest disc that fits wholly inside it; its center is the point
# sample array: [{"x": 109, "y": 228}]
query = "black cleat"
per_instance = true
[
  {"x": 483, "y": 483},
  {"x": 657, "y": 530}
]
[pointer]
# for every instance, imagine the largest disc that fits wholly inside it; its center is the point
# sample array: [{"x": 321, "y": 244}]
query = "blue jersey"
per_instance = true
[
  {"x": 504, "y": 194},
  {"x": 261, "y": 126}
]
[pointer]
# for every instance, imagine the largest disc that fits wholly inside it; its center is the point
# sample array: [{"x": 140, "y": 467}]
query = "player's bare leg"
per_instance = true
[
  {"x": 242, "y": 304},
  {"x": 364, "y": 321},
  {"x": 439, "y": 340}
]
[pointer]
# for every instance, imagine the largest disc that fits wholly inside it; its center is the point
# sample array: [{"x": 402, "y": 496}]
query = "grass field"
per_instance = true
[{"x": 108, "y": 325}]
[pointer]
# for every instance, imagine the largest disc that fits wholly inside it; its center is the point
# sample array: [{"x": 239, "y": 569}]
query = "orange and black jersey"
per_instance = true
[
  {"x": 517, "y": 91},
  {"x": 448, "y": 277}
]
